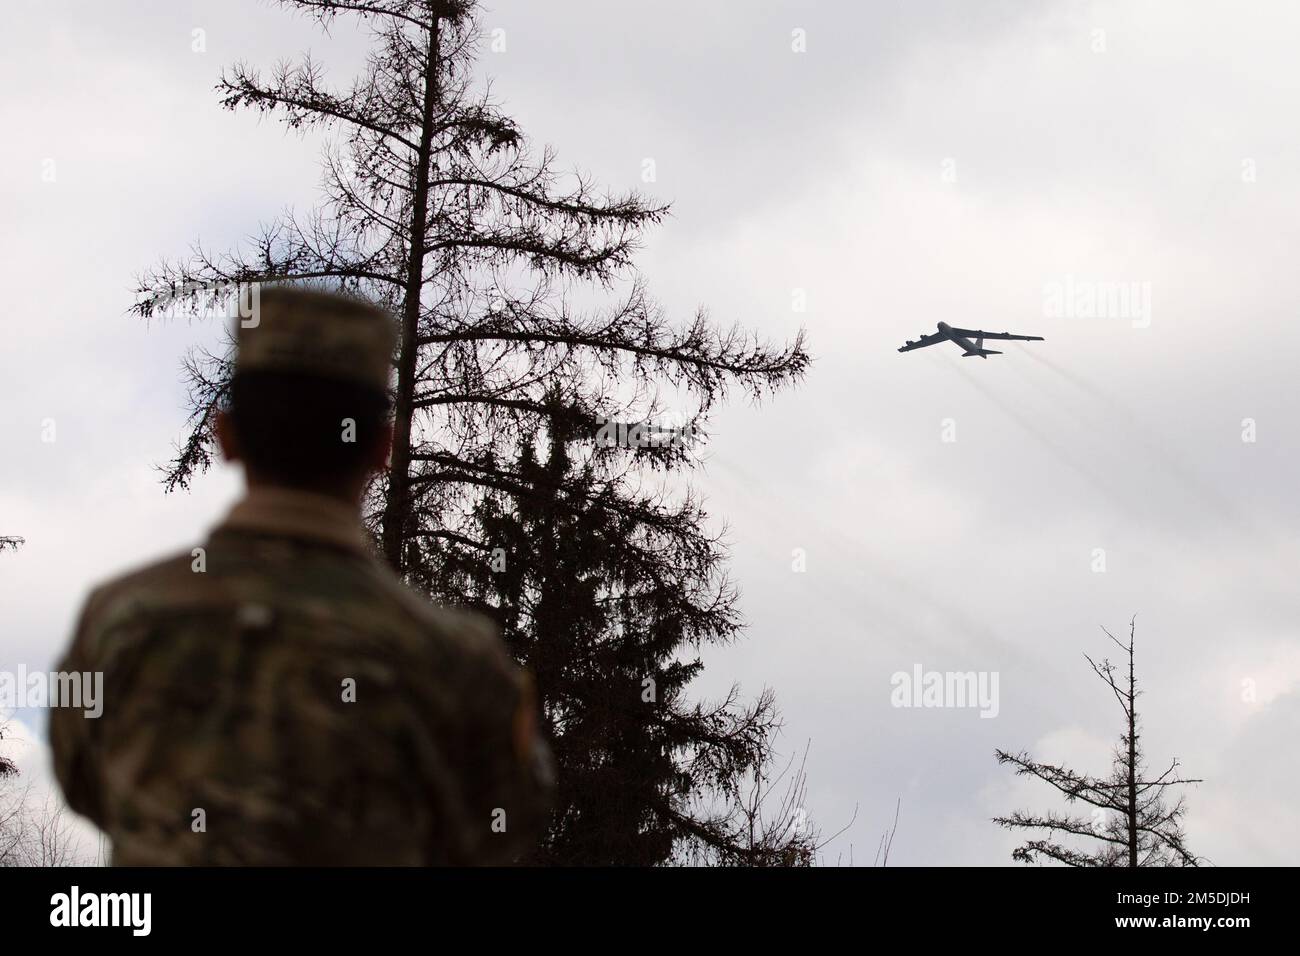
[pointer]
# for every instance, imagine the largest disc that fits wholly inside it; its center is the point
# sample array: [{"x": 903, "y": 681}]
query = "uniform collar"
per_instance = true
[{"x": 303, "y": 515}]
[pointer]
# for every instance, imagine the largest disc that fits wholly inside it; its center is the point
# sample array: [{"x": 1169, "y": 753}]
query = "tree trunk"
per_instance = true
[
  {"x": 1132, "y": 762},
  {"x": 399, "y": 477}
]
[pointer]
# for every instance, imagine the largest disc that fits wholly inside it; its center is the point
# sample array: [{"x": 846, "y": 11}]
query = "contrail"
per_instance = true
[
  {"x": 1172, "y": 463},
  {"x": 1058, "y": 451},
  {"x": 1265, "y": 537},
  {"x": 1075, "y": 380},
  {"x": 962, "y": 624}
]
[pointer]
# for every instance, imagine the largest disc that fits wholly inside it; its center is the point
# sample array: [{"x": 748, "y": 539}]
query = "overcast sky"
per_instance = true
[{"x": 916, "y": 162}]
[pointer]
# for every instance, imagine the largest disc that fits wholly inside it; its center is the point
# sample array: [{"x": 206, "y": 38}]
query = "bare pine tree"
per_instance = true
[
  {"x": 1134, "y": 820},
  {"x": 436, "y": 206},
  {"x": 33, "y": 833}
]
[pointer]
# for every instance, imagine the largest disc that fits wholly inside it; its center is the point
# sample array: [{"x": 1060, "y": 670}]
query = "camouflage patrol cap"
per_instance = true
[{"x": 332, "y": 335}]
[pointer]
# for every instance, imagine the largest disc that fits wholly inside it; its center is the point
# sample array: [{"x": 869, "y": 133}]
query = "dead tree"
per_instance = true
[
  {"x": 32, "y": 833},
  {"x": 1134, "y": 820}
]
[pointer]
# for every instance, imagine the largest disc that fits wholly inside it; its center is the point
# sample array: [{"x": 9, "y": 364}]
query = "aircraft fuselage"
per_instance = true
[{"x": 968, "y": 347}]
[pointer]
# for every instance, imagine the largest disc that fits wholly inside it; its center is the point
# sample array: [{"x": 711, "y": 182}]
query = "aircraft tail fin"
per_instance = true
[{"x": 982, "y": 353}]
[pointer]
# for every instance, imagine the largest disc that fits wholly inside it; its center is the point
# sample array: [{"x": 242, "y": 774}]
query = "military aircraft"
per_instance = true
[{"x": 963, "y": 338}]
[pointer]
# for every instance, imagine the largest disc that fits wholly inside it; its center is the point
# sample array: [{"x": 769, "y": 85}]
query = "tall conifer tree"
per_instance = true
[{"x": 435, "y": 205}]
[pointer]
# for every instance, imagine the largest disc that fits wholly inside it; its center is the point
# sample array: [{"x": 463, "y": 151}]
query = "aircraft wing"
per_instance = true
[
  {"x": 925, "y": 340},
  {"x": 977, "y": 334}
]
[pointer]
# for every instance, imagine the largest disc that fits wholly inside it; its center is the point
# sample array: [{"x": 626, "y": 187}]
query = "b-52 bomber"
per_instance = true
[{"x": 963, "y": 338}]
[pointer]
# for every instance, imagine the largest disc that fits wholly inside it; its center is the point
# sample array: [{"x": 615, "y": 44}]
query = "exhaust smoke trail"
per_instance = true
[
  {"x": 961, "y": 623},
  {"x": 1281, "y": 552},
  {"x": 1057, "y": 450},
  {"x": 1150, "y": 442}
]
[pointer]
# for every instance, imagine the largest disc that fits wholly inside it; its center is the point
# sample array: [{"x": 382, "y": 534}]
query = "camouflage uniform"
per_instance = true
[{"x": 229, "y": 691}]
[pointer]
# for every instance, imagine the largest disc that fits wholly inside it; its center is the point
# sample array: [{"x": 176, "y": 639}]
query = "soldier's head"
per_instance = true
[{"x": 308, "y": 404}]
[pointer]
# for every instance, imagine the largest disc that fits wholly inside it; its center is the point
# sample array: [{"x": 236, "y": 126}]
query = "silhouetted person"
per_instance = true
[{"x": 280, "y": 696}]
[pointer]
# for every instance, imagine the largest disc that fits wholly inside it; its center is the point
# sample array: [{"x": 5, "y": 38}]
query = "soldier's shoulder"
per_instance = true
[
  {"x": 119, "y": 599},
  {"x": 170, "y": 574}
]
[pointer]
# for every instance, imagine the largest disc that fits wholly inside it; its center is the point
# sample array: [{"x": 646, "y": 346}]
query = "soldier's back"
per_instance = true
[{"x": 283, "y": 698}]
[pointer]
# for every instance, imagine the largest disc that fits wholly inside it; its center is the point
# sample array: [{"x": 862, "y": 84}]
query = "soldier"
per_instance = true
[{"x": 279, "y": 696}]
